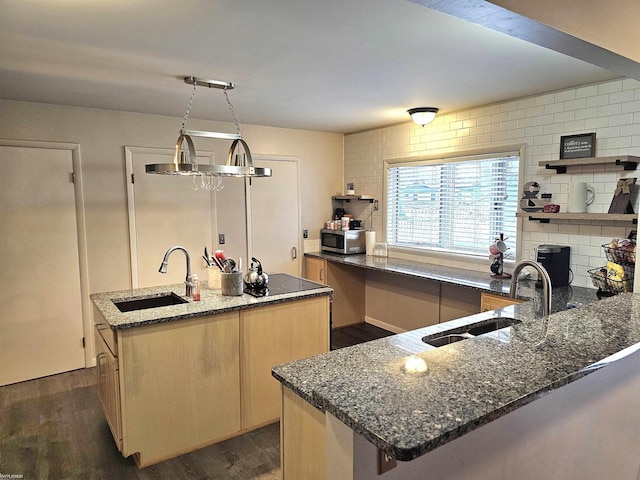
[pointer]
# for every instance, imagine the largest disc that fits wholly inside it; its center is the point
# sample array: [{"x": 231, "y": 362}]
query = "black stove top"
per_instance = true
[{"x": 280, "y": 283}]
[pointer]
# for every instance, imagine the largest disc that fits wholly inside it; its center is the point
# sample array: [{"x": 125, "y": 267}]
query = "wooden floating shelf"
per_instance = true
[
  {"x": 629, "y": 162},
  {"x": 358, "y": 198},
  {"x": 609, "y": 217}
]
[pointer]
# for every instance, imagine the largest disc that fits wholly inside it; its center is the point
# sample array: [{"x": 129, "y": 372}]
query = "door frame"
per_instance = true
[
  {"x": 247, "y": 203},
  {"x": 85, "y": 301},
  {"x": 129, "y": 153}
]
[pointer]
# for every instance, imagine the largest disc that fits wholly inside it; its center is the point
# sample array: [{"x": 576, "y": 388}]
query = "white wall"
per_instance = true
[
  {"x": 103, "y": 134},
  {"x": 610, "y": 109}
]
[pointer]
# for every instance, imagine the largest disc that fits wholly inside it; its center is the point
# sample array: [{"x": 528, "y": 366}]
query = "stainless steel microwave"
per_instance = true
[{"x": 343, "y": 241}]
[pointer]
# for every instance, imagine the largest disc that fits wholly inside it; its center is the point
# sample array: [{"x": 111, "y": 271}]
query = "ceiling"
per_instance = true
[{"x": 331, "y": 65}]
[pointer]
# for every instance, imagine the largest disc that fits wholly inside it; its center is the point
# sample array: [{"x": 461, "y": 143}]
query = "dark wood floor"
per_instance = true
[
  {"x": 54, "y": 428},
  {"x": 354, "y": 334}
]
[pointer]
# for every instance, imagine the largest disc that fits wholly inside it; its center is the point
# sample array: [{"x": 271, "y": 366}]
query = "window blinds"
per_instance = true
[{"x": 456, "y": 206}]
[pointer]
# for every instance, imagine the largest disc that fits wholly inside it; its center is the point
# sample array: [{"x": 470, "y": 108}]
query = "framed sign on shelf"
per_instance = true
[{"x": 578, "y": 146}]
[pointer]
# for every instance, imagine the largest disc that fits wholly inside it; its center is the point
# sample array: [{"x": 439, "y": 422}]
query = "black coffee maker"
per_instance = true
[
  {"x": 338, "y": 213},
  {"x": 555, "y": 260}
]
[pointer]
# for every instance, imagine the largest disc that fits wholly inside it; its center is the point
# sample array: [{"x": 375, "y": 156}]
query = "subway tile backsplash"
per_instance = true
[{"x": 610, "y": 109}]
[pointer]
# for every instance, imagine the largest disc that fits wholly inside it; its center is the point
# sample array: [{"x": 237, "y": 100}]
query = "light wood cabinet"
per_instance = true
[
  {"x": 302, "y": 439},
  {"x": 180, "y": 384},
  {"x": 315, "y": 269},
  {"x": 348, "y": 283},
  {"x": 489, "y": 301},
  {"x": 174, "y": 387},
  {"x": 108, "y": 385},
  {"x": 273, "y": 335}
]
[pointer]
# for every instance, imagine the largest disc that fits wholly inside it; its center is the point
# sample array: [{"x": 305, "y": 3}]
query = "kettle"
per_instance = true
[{"x": 256, "y": 279}]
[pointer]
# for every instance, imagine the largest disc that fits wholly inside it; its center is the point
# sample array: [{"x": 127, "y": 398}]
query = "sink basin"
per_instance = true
[
  {"x": 495, "y": 324},
  {"x": 446, "y": 339},
  {"x": 471, "y": 331},
  {"x": 163, "y": 300}
]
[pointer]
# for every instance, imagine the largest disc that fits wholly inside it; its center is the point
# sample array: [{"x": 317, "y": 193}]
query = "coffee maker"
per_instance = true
[{"x": 555, "y": 260}]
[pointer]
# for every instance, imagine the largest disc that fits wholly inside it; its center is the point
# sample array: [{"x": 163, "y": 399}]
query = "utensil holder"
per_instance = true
[
  {"x": 231, "y": 284},
  {"x": 213, "y": 276}
]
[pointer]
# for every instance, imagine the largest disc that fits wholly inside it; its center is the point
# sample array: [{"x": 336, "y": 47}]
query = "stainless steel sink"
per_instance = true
[
  {"x": 495, "y": 324},
  {"x": 446, "y": 339},
  {"x": 469, "y": 331},
  {"x": 163, "y": 300}
]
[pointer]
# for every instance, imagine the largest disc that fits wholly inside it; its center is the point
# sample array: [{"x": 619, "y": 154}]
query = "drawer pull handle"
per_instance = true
[{"x": 100, "y": 356}]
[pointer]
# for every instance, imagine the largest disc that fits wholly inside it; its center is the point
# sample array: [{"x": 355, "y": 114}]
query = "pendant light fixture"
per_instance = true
[
  {"x": 184, "y": 158},
  {"x": 423, "y": 115}
]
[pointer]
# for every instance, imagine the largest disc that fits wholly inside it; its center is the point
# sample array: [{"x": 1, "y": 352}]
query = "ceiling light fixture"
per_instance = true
[
  {"x": 423, "y": 115},
  {"x": 184, "y": 159}
]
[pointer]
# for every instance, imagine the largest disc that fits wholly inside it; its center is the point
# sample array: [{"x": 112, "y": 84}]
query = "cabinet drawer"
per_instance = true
[
  {"x": 106, "y": 332},
  {"x": 108, "y": 387}
]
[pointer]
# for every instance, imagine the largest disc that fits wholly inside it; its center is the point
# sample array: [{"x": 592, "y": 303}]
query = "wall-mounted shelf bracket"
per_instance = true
[
  {"x": 358, "y": 198},
  {"x": 629, "y": 162},
  {"x": 628, "y": 165},
  {"x": 557, "y": 168},
  {"x": 563, "y": 217}
]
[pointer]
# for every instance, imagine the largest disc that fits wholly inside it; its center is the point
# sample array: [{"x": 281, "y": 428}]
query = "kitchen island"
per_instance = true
[
  {"x": 548, "y": 397},
  {"x": 176, "y": 378}
]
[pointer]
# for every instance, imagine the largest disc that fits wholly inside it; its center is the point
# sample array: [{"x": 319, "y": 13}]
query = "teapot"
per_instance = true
[{"x": 256, "y": 279}]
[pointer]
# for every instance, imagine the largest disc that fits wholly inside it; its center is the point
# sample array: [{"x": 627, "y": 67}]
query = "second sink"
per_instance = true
[
  {"x": 163, "y": 300},
  {"x": 469, "y": 331}
]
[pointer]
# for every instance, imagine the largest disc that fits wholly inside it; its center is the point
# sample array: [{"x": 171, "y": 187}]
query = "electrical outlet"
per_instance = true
[
  {"x": 305, "y": 233},
  {"x": 221, "y": 239}
]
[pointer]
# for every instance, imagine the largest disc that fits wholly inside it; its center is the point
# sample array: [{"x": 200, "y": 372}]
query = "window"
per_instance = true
[{"x": 455, "y": 205}]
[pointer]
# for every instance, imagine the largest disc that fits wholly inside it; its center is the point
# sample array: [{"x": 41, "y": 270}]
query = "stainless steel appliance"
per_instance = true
[
  {"x": 555, "y": 260},
  {"x": 343, "y": 241}
]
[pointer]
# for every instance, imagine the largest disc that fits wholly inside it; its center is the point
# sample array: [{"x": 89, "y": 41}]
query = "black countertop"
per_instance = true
[{"x": 469, "y": 383}]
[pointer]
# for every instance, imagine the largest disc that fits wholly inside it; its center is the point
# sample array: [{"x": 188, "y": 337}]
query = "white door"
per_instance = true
[
  {"x": 41, "y": 328},
  {"x": 275, "y": 216},
  {"x": 164, "y": 211}
]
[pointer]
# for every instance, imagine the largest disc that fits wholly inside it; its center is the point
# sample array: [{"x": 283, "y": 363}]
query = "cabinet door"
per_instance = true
[
  {"x": 492, "y": 302},
  {"x": 315, "y": 269},
  {"x": 180, "y": 385},
  {"x": 108, "y": 386},
  {"x": 272, "y": 335}
]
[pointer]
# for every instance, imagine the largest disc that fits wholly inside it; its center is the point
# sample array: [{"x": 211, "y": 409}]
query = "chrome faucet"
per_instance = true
[
  {"x": 189, "y": 279},
  {"x": 546, "y": 283}
]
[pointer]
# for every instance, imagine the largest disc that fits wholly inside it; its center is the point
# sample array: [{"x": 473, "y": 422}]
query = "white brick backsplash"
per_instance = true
[
  {"x": 610, "y": 87},
  {"x": 598, "y": 101},
  {"x": 610, "y": 109},
  {"x": 621, "y": 97}
]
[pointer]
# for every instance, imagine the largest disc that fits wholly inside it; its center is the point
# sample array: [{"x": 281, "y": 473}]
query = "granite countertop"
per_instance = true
[
  {"x": 441, "y": 273},
  {"x": 473, "y": 279},
  {"x": 211, "y": 302},
  {"x": 469, "y": 383}
]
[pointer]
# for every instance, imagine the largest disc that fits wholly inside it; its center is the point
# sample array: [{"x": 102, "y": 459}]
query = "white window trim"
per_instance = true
[{"x": 419, "y": 254}]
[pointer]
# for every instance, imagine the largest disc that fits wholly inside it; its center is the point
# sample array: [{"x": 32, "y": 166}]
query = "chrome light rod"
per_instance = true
[
  {"x": 202, "y": 133},
  {"x": 206, "y": 82}
]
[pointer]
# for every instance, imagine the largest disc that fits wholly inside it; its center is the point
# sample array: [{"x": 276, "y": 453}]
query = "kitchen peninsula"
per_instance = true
[
  {"x": 400, "y": 295},
  {"x": 176, "y": 378},
  {"x": 547, "y": 397}
]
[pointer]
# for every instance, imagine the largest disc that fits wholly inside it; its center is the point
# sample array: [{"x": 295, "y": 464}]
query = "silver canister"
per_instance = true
[{"x": 231, "y": 284}]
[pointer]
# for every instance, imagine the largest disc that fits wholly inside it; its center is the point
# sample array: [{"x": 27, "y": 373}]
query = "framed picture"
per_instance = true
[{"x": 578, "y": 146}]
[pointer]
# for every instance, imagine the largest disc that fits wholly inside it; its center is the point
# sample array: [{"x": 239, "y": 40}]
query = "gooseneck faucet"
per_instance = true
[
  {"x": 546, "y": 283},
  {"x": 189, "y": 278}
]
